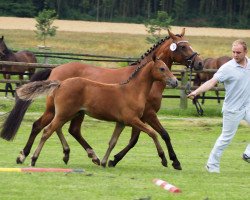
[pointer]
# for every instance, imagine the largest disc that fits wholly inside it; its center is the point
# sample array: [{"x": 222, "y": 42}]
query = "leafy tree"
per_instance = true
[
  {"x": 156, "y": 25},
  {"x": 44, "y": 26}
]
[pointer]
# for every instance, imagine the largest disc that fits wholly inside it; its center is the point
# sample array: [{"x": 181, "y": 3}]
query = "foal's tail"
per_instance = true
[
  {"x": 13, "y": 120},
  {"x": 36, "y": 89}
]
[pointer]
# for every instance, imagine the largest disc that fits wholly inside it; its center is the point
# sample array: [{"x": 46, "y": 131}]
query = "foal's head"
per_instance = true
[
  {"x": 180, "y": 51},
  {"x": 161, "y": 72}
]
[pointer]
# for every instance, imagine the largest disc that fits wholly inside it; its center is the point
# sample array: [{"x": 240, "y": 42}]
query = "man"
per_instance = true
[{"x": 235, "y": 74}]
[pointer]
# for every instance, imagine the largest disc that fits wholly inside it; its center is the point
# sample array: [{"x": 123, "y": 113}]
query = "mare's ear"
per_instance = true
[
  {"x": 183, "y": 32},
  {"x": 2, "y": 37},
  {"x": 171, "y": 35}
]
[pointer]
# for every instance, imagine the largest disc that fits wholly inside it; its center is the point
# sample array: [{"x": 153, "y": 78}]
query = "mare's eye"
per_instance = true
[
  {"x": 183, "y": 47},
  {"x": 162, "y": 69}
]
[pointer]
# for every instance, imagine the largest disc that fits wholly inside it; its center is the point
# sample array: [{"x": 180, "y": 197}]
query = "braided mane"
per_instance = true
[
  {"x": 152, "y": 49},
  {"x": 134, "y": 73}
]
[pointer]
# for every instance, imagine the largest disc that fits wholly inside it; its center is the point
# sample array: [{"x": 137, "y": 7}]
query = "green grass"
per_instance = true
[
  {"x": 132, "y": 178},
  {"x": 192, "y": 137}
]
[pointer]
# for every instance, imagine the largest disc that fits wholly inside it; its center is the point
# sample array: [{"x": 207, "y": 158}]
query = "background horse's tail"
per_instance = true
[
  {"x": 13, "y": 120},
  {"x": 36, "y": 89}
]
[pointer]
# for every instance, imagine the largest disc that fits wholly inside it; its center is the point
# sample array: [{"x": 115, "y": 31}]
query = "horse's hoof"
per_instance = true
[
  {"x": 164, "y": 163},
  {"x": 96, "y": 161},
  {"x": 18, "y": 160},
  {"x": 21, "y": 158},
  {"x": 66, "y": 159},
  {"x": 177, "y": 166},
  {"x": 111, "y": 163},
  {"x": 103, "y": 164}
]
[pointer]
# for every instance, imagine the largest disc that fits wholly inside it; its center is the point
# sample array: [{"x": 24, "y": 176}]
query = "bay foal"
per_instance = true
[{"x": 122, "y": 103}]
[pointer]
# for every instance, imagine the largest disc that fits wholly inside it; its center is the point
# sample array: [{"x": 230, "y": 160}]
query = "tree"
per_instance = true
[
  {"x": 155, "y": 26},
  {"x": 44, "y": 26}
]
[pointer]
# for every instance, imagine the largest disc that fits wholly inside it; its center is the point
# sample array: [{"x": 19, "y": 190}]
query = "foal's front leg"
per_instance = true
[
  {"x": 147, "y": 129},
  {"x": 117, "y": 132},
  {"x": 154, "y": 122},
  {"x": 132, "y": 142}
]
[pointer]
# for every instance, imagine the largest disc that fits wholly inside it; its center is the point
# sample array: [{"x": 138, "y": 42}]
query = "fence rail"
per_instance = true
[{"x": 182, "y": 74}]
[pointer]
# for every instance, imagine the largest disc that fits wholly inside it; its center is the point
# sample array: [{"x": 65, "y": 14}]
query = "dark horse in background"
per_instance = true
[
  {"x": 20, "y": 56},
  {"x": 180, "y": 52},
  {"x": 202, "y": 77}
]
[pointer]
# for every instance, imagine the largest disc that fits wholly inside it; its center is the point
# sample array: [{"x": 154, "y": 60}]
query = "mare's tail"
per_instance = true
[
  {"x": 36, "y": 89},
  {"x": 13, "y": 120}
]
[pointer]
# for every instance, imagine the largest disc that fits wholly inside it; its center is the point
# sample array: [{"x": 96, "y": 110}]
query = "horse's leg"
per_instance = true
[
  {"x": 147, "y": 129},
  {"x": 38, "y": 125},
  {"x": 66, "y": 149},
  {"x": 55, "y": 124},
  {"x": 217, "y": 95},
  {"x": 132, "y": 142},
  {"x": 117, "y": 132},
  {"x": 154, "y": 122},
  {"x": 75, "y": 131},
  {"x": 203, "y": 98}
]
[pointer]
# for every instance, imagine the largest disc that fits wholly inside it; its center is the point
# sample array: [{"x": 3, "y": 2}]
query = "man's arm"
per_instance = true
[{"x": 203, "y": 88}]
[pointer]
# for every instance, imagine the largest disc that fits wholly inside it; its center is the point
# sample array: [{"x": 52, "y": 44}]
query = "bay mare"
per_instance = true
[
  {"x": 21, "y": 56},
  {"x": 122, "y": 103},
  {"x": 210, "y": 63},
  {"x": 183, "y": 54}
]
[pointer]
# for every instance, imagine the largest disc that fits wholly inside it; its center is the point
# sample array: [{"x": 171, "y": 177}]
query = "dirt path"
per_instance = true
[{"x": 104, "y": 27}]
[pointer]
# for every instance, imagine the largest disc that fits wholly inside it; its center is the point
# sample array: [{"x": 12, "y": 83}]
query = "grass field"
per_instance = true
[{"x": 192, "y": 138}]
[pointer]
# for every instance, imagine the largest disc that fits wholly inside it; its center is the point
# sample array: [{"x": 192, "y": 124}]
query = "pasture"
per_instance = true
[{"x": 192, "y": 138}]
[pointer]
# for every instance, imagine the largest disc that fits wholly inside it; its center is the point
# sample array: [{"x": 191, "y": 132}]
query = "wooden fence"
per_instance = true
[{"x": 182, "y": 75}]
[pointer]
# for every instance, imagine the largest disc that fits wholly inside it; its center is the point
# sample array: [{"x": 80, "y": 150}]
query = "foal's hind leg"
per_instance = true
[
  {"x": 75, "y": 131},
  {"x": 55, "y": 124},
  {"x": 38, "y": 125},
  {"x": 132, "y": 142},
  {"x": 66, "y": 149},
  {"x": 154, "y": 122}
]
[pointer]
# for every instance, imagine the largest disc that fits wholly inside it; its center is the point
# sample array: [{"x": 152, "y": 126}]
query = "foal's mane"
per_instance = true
[
  {"x": 136, "y": 71},
  {"x": 151, "y": 49}
]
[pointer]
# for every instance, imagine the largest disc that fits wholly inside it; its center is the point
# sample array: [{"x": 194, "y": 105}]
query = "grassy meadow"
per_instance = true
[{"x": 192, "y": 138}]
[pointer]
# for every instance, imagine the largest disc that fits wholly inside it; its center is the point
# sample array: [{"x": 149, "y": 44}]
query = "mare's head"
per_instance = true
[
  {"x": 178, "y": 49},
  {"x": 3, "y": 47},
  {"x": 162, "y": 73}
]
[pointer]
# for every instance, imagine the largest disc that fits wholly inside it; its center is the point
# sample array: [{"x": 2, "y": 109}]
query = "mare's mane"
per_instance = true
[{"x": 152, "y": 49}]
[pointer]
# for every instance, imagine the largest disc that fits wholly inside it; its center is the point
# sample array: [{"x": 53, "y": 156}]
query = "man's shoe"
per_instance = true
[
  {"x": 212, "y": 170},
  {"x": 246, "y": 158}
]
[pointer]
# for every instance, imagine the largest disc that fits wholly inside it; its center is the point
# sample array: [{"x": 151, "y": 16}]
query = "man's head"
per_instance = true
[{"x": 239, "y": 50}]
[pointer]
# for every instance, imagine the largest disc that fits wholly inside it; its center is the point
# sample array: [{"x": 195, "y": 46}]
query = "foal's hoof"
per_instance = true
[
  {"x": 21, "y": 158},
  {"x": 111, "y": 163},
  {"x": 33, "y": 162},
  {"x": 96, "y": 161},
  {"x": 177, "y": 166}
]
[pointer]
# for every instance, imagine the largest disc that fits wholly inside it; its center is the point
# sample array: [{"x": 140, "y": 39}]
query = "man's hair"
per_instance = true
[{"x": 240, "y": 42}]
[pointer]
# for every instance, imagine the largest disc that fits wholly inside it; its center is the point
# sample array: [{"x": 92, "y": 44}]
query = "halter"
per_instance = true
[{"x": 189, "y": 59}]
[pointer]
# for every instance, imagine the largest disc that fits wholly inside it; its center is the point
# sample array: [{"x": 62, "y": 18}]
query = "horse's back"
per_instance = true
[{"x": 100, "y": 74}]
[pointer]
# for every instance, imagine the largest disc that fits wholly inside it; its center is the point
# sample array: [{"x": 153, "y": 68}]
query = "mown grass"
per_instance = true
[{"x": 192, "y": 138}]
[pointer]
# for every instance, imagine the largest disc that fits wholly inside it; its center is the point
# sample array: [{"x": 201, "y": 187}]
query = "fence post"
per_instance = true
[
  {"x": 45, "y": 49},
  {"x": 183, "y": 96}
]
